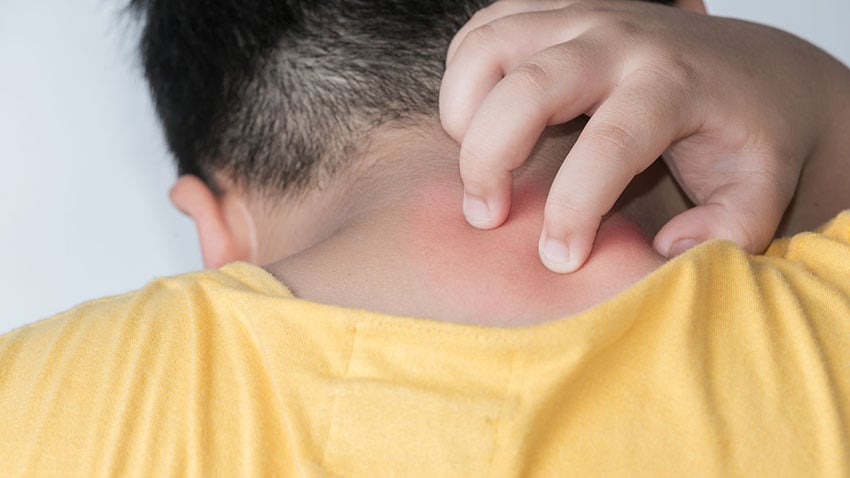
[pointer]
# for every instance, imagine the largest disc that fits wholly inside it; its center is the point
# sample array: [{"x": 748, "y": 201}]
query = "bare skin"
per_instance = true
[
  {"x": 744, "y": 113},
  {"x": 404, "y": 248}
]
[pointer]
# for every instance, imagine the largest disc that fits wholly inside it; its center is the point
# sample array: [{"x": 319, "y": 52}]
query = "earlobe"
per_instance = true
[
  {"x": 221, "y": 240},
  {"x": 692, "y": 5}
]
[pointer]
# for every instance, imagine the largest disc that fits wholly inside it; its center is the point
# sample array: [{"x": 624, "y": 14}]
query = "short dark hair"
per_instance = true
[{"x": 273, "y": 92}]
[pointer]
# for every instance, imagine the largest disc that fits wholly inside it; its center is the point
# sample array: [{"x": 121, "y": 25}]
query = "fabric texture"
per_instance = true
[{"x": 717, "y": 364}]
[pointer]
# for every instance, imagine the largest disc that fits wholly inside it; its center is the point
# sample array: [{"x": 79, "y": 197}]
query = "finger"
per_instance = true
[
  {"x": 488, "y": 53},
  {"x": 553, "y": 87},
  {"x": 499, "y": 10},
  {"x": 629, "y": 132},
  {"x": 746, "y": 212}
]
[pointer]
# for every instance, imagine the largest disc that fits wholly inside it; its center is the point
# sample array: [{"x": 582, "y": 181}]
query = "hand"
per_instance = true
[{"x": 734, "y": 107}]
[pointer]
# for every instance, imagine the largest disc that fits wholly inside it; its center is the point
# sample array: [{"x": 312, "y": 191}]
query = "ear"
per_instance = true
[
  {"x": 224, "y": 227},
  {"x": 692, "y": 5}
]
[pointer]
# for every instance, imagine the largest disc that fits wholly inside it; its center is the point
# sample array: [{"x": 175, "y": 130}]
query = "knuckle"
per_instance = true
[
  {"x": 532, "y": 77},
  {"x": 565, "y": 212},
  {"x": 476, "y": 162},
  {"x": 675, "y": 74},
  {"x": 484, "y": 36},
  {"x": 559, "y": 208},
  {"x": 616, "y": 144},
  {"x": 679, "y": 71}
]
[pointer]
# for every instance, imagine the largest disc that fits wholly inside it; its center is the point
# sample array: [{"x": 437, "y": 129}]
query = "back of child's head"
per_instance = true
[{"x": 277, "y": 93}]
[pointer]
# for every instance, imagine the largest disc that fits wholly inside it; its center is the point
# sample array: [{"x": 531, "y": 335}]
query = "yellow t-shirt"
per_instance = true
[{"x": 718, "y": 363}]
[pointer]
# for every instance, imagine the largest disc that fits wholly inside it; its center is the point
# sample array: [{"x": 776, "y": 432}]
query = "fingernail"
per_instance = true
[
  {"x": 476, "y": 211},
  {"x": 681, "y": 246},
  {"x": 556, "y": 256}
]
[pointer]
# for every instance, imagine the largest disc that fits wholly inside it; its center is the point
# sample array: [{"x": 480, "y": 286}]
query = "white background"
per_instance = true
[{"x": 85, "y": 172}]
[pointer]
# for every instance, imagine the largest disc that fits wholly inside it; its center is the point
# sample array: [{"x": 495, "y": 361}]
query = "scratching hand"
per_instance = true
[{"x": 732, "y": 106}]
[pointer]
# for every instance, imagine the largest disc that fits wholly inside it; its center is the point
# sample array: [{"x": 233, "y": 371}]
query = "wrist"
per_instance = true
[{"x": 822, "y": 190}]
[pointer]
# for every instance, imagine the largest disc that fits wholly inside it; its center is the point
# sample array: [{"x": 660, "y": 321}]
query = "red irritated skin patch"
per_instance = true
[{"x": 495, "y": 277}]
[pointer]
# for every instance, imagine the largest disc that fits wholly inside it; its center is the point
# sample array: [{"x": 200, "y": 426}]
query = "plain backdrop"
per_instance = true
[{"x": 84, "y": 210}]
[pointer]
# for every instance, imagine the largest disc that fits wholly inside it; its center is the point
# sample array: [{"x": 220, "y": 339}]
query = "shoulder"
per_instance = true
[
  {"x": 164, "y": 304},
  {"x": 104, "y": 334},
  {"x": 824, "y": 252},
  {"x": 101, "y": 373}
]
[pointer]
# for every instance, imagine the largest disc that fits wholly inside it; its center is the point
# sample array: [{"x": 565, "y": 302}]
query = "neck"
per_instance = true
[{"x": 407, "y": 250}]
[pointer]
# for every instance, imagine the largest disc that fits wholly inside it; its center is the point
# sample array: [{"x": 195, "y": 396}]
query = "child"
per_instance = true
[{"x": 386, "y": 336}]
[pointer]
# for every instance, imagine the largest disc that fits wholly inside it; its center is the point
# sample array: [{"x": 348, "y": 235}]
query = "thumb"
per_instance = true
[{"x": 745, "y": 213}]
